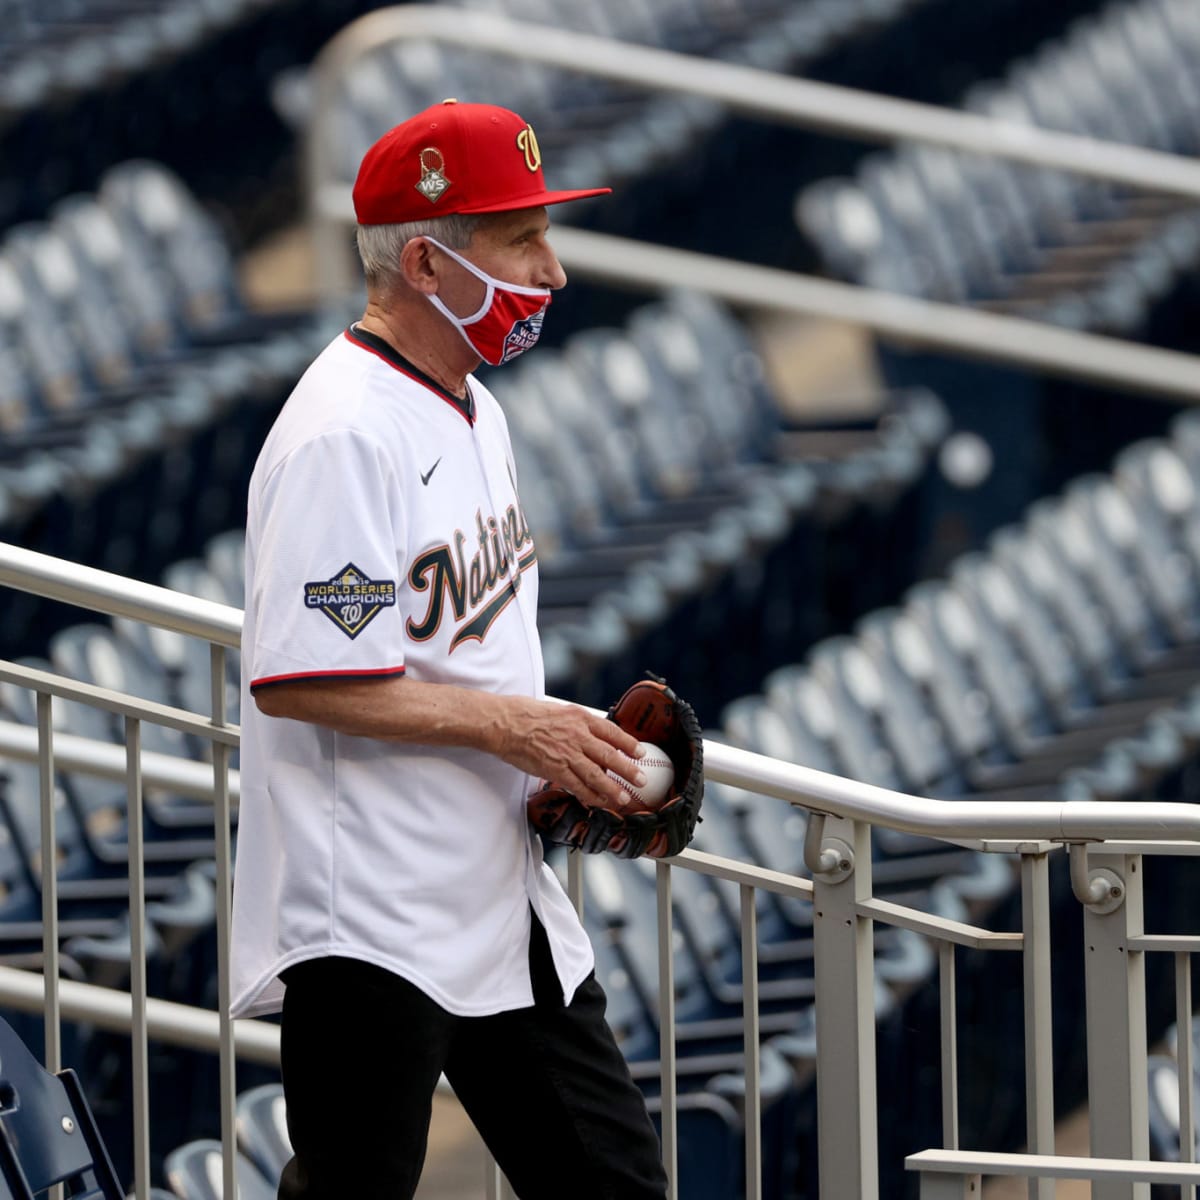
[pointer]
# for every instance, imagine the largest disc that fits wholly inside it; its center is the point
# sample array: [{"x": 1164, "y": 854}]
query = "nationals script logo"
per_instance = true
[{"x": 478, "y": 591}]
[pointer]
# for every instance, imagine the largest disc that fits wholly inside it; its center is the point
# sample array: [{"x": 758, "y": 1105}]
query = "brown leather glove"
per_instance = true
[{"x": 651, "y": 712}]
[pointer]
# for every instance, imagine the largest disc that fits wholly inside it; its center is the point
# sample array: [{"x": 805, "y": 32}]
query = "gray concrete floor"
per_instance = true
[
  {"x": 454, "y": 1166},
  {"x": 1071, "y": 1138}
]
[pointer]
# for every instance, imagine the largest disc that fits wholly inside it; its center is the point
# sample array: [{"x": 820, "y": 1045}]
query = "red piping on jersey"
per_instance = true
[
  {"x": 470, "y": 420},
  {"x": 266, "y": 680}
]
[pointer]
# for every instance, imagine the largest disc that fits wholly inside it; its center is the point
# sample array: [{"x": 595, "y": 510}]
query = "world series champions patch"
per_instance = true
[{"x": 350, "y": 600}]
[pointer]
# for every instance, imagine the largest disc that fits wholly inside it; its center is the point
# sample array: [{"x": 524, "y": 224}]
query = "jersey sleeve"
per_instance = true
[{"x": 325, "y": 571}]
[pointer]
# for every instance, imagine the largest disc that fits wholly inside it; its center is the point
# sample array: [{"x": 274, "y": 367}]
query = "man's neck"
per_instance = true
[{"x": 429, "y": 342}]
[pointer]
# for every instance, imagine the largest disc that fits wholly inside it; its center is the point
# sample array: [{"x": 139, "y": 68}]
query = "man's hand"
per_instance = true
[{"x": 566, "y": 745}]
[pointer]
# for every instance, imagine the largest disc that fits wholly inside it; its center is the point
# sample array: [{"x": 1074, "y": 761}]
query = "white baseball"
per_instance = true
[{"x": 659, "y": 773}]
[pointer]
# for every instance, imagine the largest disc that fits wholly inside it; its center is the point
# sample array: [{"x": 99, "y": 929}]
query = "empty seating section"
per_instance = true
[
  {"x": 134, "y": 384},
  {"x": 662, "y": 151},
  {"x": 968, "y": 229},
  {"x": 1059, "y": 662},
  {"x": 685, "y": 523},
  {"x": 86, "y": 84},
  {"x": 67, "y": 45},
  {"x": 1035, "y": 243},
  {"x": 589, "y": 129}
]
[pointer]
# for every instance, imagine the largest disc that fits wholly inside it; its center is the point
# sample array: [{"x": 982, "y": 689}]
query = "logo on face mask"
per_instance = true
[{"x": 523, "y": 336}]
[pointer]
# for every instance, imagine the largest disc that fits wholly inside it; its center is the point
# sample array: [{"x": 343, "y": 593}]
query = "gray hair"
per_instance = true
[{"x": 379, "y": 246}]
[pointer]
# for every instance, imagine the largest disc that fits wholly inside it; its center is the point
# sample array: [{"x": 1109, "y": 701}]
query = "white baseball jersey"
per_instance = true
[{"x": 385, "y": 536}]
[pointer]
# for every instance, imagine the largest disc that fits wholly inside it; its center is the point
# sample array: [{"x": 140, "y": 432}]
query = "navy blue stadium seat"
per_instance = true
[{"x": 47, "y": 1132}]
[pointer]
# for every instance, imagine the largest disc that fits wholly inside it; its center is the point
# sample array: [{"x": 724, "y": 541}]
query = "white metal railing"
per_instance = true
[
  {"x": 782, "y": 99},
  {"x": 1106, "y": 843}
]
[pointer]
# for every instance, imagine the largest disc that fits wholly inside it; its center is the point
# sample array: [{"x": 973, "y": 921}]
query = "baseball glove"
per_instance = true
[{"x": 651, "y": 712}]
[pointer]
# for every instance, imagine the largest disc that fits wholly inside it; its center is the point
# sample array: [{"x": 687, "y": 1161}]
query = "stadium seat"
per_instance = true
[
  {"x": 711, "y": 1131},
  {"x": 1013, "y": 739},
  {"x": 797, "y": 720},
  {"x": 194, "y": 1172},
  {"x": 1164, "y": 1107},
  {"x": 47, "y": 1132},
  {"x": 262, "y": 1129},
  {"x": 1165, "y": 1087},
  {"x": 106, "y": 960}
]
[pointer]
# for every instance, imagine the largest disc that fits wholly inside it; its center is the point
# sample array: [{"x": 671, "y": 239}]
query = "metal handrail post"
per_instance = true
[
  {"x": 49, "y": 881},
  {"x": 750, "y": 1042},
  {"x": 491, "y": 1179},
  {"x": 1185, "y": 1056},
  {"x": 223, "y": 847},
  {"x": 666, "y": 1029},
  {"x": 948, "y": 1010},
  {"x": 1116, "y": 1019},
  {"x": 1039, "y": 1042},
  {"x": 844, "y": 971},
  {"x": 138, "y": 967},
  {"x": 950, "y": 1187}
]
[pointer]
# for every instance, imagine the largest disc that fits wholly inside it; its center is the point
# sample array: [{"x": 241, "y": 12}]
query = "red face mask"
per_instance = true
[{"x": 506, "y": 324}]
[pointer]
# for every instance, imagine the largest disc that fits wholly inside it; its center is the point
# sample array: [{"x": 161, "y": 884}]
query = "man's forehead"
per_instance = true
[{"x": 516, "y": 222}]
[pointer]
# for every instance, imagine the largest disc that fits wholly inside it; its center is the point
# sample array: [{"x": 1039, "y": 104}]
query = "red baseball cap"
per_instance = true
[{"x": 454, "y": 158}]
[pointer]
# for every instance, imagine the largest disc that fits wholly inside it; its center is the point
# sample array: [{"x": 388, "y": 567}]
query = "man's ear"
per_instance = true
[{"x": 417, "y": 267}]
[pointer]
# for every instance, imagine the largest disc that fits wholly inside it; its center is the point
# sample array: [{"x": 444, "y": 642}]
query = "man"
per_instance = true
[{"x": 389, "y": 894}]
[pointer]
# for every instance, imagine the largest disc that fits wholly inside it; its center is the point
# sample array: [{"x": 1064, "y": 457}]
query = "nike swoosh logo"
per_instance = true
[{"x": 426, "y": 477}]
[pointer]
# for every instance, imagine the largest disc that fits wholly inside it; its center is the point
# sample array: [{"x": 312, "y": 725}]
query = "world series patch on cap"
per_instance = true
[{"x": 454, "y": 158}]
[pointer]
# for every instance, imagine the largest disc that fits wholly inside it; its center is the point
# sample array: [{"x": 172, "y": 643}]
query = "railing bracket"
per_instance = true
[
  {"x": 831, "y": 859},
  {"x": 1102, "y": 891}
]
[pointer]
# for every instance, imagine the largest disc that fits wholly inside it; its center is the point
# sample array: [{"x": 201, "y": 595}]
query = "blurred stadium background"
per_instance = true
[{"x": 942, "y": 576}]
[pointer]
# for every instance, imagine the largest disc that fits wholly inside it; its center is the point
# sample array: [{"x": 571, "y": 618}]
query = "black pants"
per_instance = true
[{"x": 546, "y": 1087}]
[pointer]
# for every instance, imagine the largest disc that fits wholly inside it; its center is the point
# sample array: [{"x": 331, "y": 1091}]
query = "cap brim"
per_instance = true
[{"x": 536, "y": 200}]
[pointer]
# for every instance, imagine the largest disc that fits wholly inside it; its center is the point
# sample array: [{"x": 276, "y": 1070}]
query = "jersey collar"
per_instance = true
[{"x": 372, "y": 342}]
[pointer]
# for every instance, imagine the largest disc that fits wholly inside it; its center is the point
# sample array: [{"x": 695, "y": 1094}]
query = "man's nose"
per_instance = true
[{"x": 554, "y": 276}]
